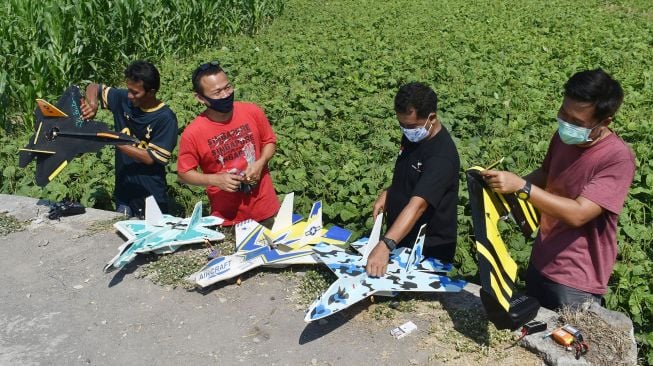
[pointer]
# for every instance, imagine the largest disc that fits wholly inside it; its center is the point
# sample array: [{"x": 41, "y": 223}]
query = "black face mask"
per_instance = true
[{"x": 222, "y": 105}]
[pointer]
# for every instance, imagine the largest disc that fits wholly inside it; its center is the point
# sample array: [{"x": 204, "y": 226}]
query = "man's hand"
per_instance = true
[
  {"x": 502, "y": 181},
  {"x": 253, "y": 172},
  {"x": 90, "y": 102},
  {"x": 379, "y": 204},
  {"x": 377, "y": 262},
  {"x": 89, "y": 109},
  {"x": 227, "y": 182}
]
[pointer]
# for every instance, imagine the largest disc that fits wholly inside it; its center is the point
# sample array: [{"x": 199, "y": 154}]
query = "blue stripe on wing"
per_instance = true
[{"x": 270, "y": 255}]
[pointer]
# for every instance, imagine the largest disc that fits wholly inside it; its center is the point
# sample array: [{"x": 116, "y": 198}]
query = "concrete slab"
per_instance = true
[{"x": 58, "y": 307}]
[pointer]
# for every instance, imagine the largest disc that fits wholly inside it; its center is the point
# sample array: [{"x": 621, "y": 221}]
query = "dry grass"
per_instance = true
[
  {"x": 9, "y": 224},
  {"x": 607, "y": 345}
]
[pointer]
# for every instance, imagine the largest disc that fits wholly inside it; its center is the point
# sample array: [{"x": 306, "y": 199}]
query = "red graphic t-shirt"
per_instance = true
[
  {"x": 583, "y": 258},
  {"x": 219, "y": 147}
]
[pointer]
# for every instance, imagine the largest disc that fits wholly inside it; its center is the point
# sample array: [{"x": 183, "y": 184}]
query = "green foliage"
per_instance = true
[{"x": 48, "y": 45}]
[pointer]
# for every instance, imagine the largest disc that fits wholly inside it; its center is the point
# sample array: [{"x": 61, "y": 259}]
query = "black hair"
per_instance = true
[
  {"x": 596, "y": 87},
  {"x": 416, "y": 96},
  {"x": 209, "y": 68},
  {"x": 146, "y": 72}
]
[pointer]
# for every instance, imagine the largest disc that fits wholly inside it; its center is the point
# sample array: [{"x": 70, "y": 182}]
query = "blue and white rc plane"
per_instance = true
[
  {"x": 288, "y": 242},
  {"x": 407, "y": 270},
  {"x": 161, "y": 233}
]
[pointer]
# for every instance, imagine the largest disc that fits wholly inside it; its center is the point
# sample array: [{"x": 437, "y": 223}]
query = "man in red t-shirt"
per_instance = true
[
  {"x": 231, "y": 143},
  {"x": 580, "y": 189}
]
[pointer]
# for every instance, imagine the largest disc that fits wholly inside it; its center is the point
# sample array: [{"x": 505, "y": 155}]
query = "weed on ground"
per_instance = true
[{"x": 9, "y": 224}]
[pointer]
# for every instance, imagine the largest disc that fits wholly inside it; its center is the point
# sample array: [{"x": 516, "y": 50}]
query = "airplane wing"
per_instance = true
[
  {"x": 415, "y": 281},
  {"x": 133, "y": 228},
  {"x": 342, "y": 294},
  {"x": 250, "y": 235},
  {"x": 60, "y": 134},
  {"x": 128, "y": 250},
  {"x": 339, "y": 262}
]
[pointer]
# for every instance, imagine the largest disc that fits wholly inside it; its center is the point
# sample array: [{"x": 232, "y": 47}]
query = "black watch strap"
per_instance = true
[
  {"x": 525, "y": 192},
  {"x": 391, "y": 244}
]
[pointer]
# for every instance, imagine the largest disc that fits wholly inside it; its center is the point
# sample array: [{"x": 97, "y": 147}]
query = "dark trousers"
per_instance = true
[{"x": 553, "y": 295}]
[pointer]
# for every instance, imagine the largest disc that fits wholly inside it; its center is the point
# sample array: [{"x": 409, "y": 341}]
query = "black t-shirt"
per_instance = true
[
  {"x": 156, "y": 128},
  {"x": 428, "y": 169}
]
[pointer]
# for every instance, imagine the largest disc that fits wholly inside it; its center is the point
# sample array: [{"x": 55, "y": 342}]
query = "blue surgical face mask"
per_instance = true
[
  {"x": 223, "y": 105},
  {"x": 573, "y": 135},
  {"x": 416, "y": 134}
]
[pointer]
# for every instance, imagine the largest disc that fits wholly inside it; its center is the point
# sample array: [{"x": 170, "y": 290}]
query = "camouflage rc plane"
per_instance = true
[{"x": 408, "y": 270}]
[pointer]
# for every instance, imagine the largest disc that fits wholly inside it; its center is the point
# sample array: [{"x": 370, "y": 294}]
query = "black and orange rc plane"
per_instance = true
[{"x": 60, "y": 134}]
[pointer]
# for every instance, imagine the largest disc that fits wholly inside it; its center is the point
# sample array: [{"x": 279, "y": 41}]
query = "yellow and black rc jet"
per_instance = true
[
  {"x": 60, "y": 134},
  {"x": 497, "y": 269}
]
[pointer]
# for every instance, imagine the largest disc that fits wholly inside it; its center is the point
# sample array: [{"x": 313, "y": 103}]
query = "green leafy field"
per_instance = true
[
  {"x": 326, "y": 74},
  {"x": 48, "y": 44}
]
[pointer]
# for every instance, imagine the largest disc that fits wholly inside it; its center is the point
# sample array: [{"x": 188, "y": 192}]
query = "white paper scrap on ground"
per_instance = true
[{"x": 403, "y": 330}]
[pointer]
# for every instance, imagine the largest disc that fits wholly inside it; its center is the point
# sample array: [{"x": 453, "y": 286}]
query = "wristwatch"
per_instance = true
[
  {"x": 391, "y": 244},
  {"x": 525, "y": 192}
]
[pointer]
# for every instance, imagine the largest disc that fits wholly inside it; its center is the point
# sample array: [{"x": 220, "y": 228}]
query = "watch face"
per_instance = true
[{"x": 523, "y": 195}]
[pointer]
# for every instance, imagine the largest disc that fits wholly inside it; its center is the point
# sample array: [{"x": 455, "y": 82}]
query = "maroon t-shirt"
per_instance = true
[{"x": 583, "y": 258}]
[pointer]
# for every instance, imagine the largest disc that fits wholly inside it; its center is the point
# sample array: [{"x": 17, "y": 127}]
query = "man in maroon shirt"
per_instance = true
[{"x": 580, "y": 189}]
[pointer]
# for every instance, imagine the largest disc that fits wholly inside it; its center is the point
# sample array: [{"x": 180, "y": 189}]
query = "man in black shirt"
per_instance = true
[
  {"x": 140, "y": 169},
  {"x": 424, "y": 187}
]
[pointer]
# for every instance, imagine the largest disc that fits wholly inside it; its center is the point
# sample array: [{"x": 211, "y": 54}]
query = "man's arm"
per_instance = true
[
  {"x": 573, "y": 212},
  {"x": 225, "y": 181},
  {"x": 377, "y": 262},
  {"x": 379, "y": 204},
  {"x": 140, "y": 155}
]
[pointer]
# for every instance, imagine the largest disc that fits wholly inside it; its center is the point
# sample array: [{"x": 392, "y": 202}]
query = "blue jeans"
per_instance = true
[{"x": 553, "y": 295}]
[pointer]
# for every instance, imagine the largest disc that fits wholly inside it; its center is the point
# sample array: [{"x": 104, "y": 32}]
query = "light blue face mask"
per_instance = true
[
  {"x": 573, "y": 135},
  {"x": 416, "y": 134}
]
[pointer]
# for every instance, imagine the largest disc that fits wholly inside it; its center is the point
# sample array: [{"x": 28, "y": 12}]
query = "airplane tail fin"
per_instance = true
[
  {"x": 375, "y": 236},
  {"x": 153, "y": 215},
  {"x": 416, "y": 255},
  {"x": 195, "y": 217},
  {"x": 313, "y": 228},
  {"x": 284, "y": 218}
]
